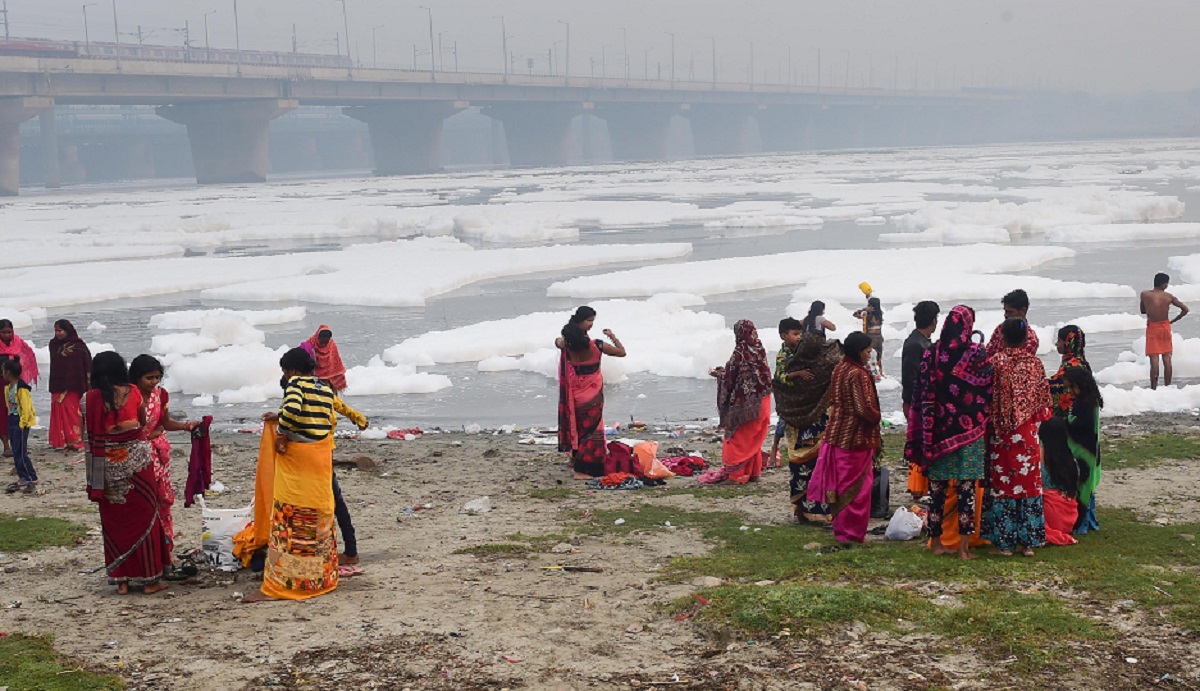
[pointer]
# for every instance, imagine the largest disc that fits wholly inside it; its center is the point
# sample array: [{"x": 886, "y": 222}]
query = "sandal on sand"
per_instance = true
[
  {"x": 29, "y": 488},
  {"x": 349, "y": 571},
  {"x": 13, "y": 488}
]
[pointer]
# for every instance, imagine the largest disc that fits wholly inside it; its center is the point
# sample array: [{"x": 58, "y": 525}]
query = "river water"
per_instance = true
[{"x": 524, "y": 399}]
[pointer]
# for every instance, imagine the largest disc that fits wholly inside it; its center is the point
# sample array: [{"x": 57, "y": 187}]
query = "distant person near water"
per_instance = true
[
  {"x": 1070, "y": 345},
  {"x": 872, "y": 323},
  {"x": 70, "y": 365},
  {"x": 581, "y": 393},
  {"x": 803, "y": 374},
  {"x": 845, "y": 475},
  {"x": 324, "y": 351},
  {"x": 744, "y": 404},
  {"x": 13, "y": 346},
  {"x": 1016, "y": 306},
  {"x": 925, "y": 319},
  {"x": 1156, "y": 305},
  {"x": 815, "y": 322},
  {"x": 948, "y": 423},
  {"x": 1013, "y": 516}
]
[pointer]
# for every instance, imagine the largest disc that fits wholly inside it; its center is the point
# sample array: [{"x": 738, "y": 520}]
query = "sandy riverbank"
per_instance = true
[{"x": 425, "y": 615}]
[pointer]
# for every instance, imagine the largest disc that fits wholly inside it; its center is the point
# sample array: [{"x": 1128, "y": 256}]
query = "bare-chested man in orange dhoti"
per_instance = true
[{"x": 1156, "y": 305}]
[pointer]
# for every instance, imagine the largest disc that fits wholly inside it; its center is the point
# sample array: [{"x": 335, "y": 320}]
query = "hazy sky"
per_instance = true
[{"x": 1098, "y": 45}]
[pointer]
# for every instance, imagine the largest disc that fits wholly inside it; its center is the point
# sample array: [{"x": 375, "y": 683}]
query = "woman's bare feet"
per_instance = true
[
  {"x": 122, "y": 589},
  {"x": 1027, "y": 552},
  {"x": 258, "y": 596},
  {"x": 1002, "y": 552},
  {"x": 963, "y": 552},
  {"x": 154, "y": 588},
  {"x": 939, "y": 549},
  {"x": 583, "y": 476}
]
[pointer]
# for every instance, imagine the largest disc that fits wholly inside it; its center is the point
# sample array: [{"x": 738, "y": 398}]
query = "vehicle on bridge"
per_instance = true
[{"x": 48, "y": 48}]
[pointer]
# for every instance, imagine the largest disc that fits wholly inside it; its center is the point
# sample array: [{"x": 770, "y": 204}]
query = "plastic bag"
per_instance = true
[
  {"x": 647, "y": 457},
  {"x": 220, "y": 525},
  {"x": 477, "y": 506},
  {"x": 904, "y": 525}
]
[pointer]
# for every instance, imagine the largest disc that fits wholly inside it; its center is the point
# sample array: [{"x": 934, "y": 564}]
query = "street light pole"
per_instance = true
[
  {"x": 567, "y": 66},
  {"x": 441, "y": 50},
  {"x": 346, "y": 30},
  {"x": 503, "y": 44},
  {"x": 625, "y": 49},
  {"x": 713, "y": 39},
  {"x": 374, "y": 53},
  {"x": 117, "y": 34},
  {"x": 432, "y": 61},
  {"x": 206, "y": 46},
  {"x": 87, "y": 41},
  {"x": 237, "y": 37},
  {"x": 672, "y": 35}
]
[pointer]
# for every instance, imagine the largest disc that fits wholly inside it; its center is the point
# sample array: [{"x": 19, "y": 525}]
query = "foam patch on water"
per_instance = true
[
  {"x": 662, "y": 337},
  {"x": 197, "y": 319}
]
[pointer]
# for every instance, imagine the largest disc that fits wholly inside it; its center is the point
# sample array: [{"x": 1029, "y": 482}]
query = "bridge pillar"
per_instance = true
[
  {"x": 51, "y": 173},
  {"x": 406, "y": 137},
  {"x": 14, "y": 111},
  {"x": 537, "y": 134},
  {"x": 638, "y": 131},
  {"x": 720, "y": 130},
  {"x": 787, "y": 128},
  {"x": 230, "y": 141}
]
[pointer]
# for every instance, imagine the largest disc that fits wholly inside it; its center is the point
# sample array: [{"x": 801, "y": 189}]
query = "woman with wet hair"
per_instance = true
[{"x": 581, "y": 393}]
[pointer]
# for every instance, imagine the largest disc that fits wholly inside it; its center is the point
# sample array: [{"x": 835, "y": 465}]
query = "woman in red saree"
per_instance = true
[
  {"x": 13, "y": 346},
  {"x": 744, "y": 403},
  {"x": 70, "y": 364},
  {"x": 146, "y": 372},
  {"x": 1012, "y": 510},
  {"x": 120, "y": 478},
  {"x": 845, "y": 469},
  {"x": 1061, "y": 477},
  {"x": 324, "y": 351},
  {"x": 581, "y": 394}
]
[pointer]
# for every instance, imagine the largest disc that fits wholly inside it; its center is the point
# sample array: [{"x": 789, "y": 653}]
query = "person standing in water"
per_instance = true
[
  {"x": 872, "y": 322},
  {"x": 815, "y": 322},
  {"x": 1156, "y": 305}
]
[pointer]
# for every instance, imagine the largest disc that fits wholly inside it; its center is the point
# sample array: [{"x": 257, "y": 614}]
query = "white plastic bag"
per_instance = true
[
  {"x": 220, "y": 525},
  {"x": 904, "y": 525},
  {"x": 477, "y": 506}
]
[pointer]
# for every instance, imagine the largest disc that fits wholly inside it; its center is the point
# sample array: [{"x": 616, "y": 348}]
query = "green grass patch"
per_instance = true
[
  {"x": 1005, "y": 606},
  {"x": 711, "y": 492},
  {"x": 24, "y": 533},
  {"x": 1149, "y": 450},
  {"x": 30, "y": 662}
]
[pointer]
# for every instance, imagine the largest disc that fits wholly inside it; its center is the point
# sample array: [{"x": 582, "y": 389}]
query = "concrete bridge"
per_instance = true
[{"x": 228, "y": 108}]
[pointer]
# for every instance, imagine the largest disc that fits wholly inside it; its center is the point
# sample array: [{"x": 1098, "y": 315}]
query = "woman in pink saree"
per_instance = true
[
  {"x": 845, "y": 464},
  {"x": 581, "y": 394},
  {"x": 145, "y": 372}
]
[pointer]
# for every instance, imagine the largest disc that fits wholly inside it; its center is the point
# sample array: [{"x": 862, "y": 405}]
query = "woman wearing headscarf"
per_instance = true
[
  {"x": 70, "y": 365},
  {"x": 324, "y": 351},
  {"x": 1012, "y": 512},
  {"x": 1083, "y": 432},
  {"x": 13, "y": 346},
  {"x": 803, "y": 404},
  {"x": 846, "y": 462},
  {"x": 581, "y": 393},
  {"x": 947, "y": 423},
  {"x": 121, "y": 479},
  {"x": 744, "y": 404},
  {"x": 1070, "y": 345}
]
